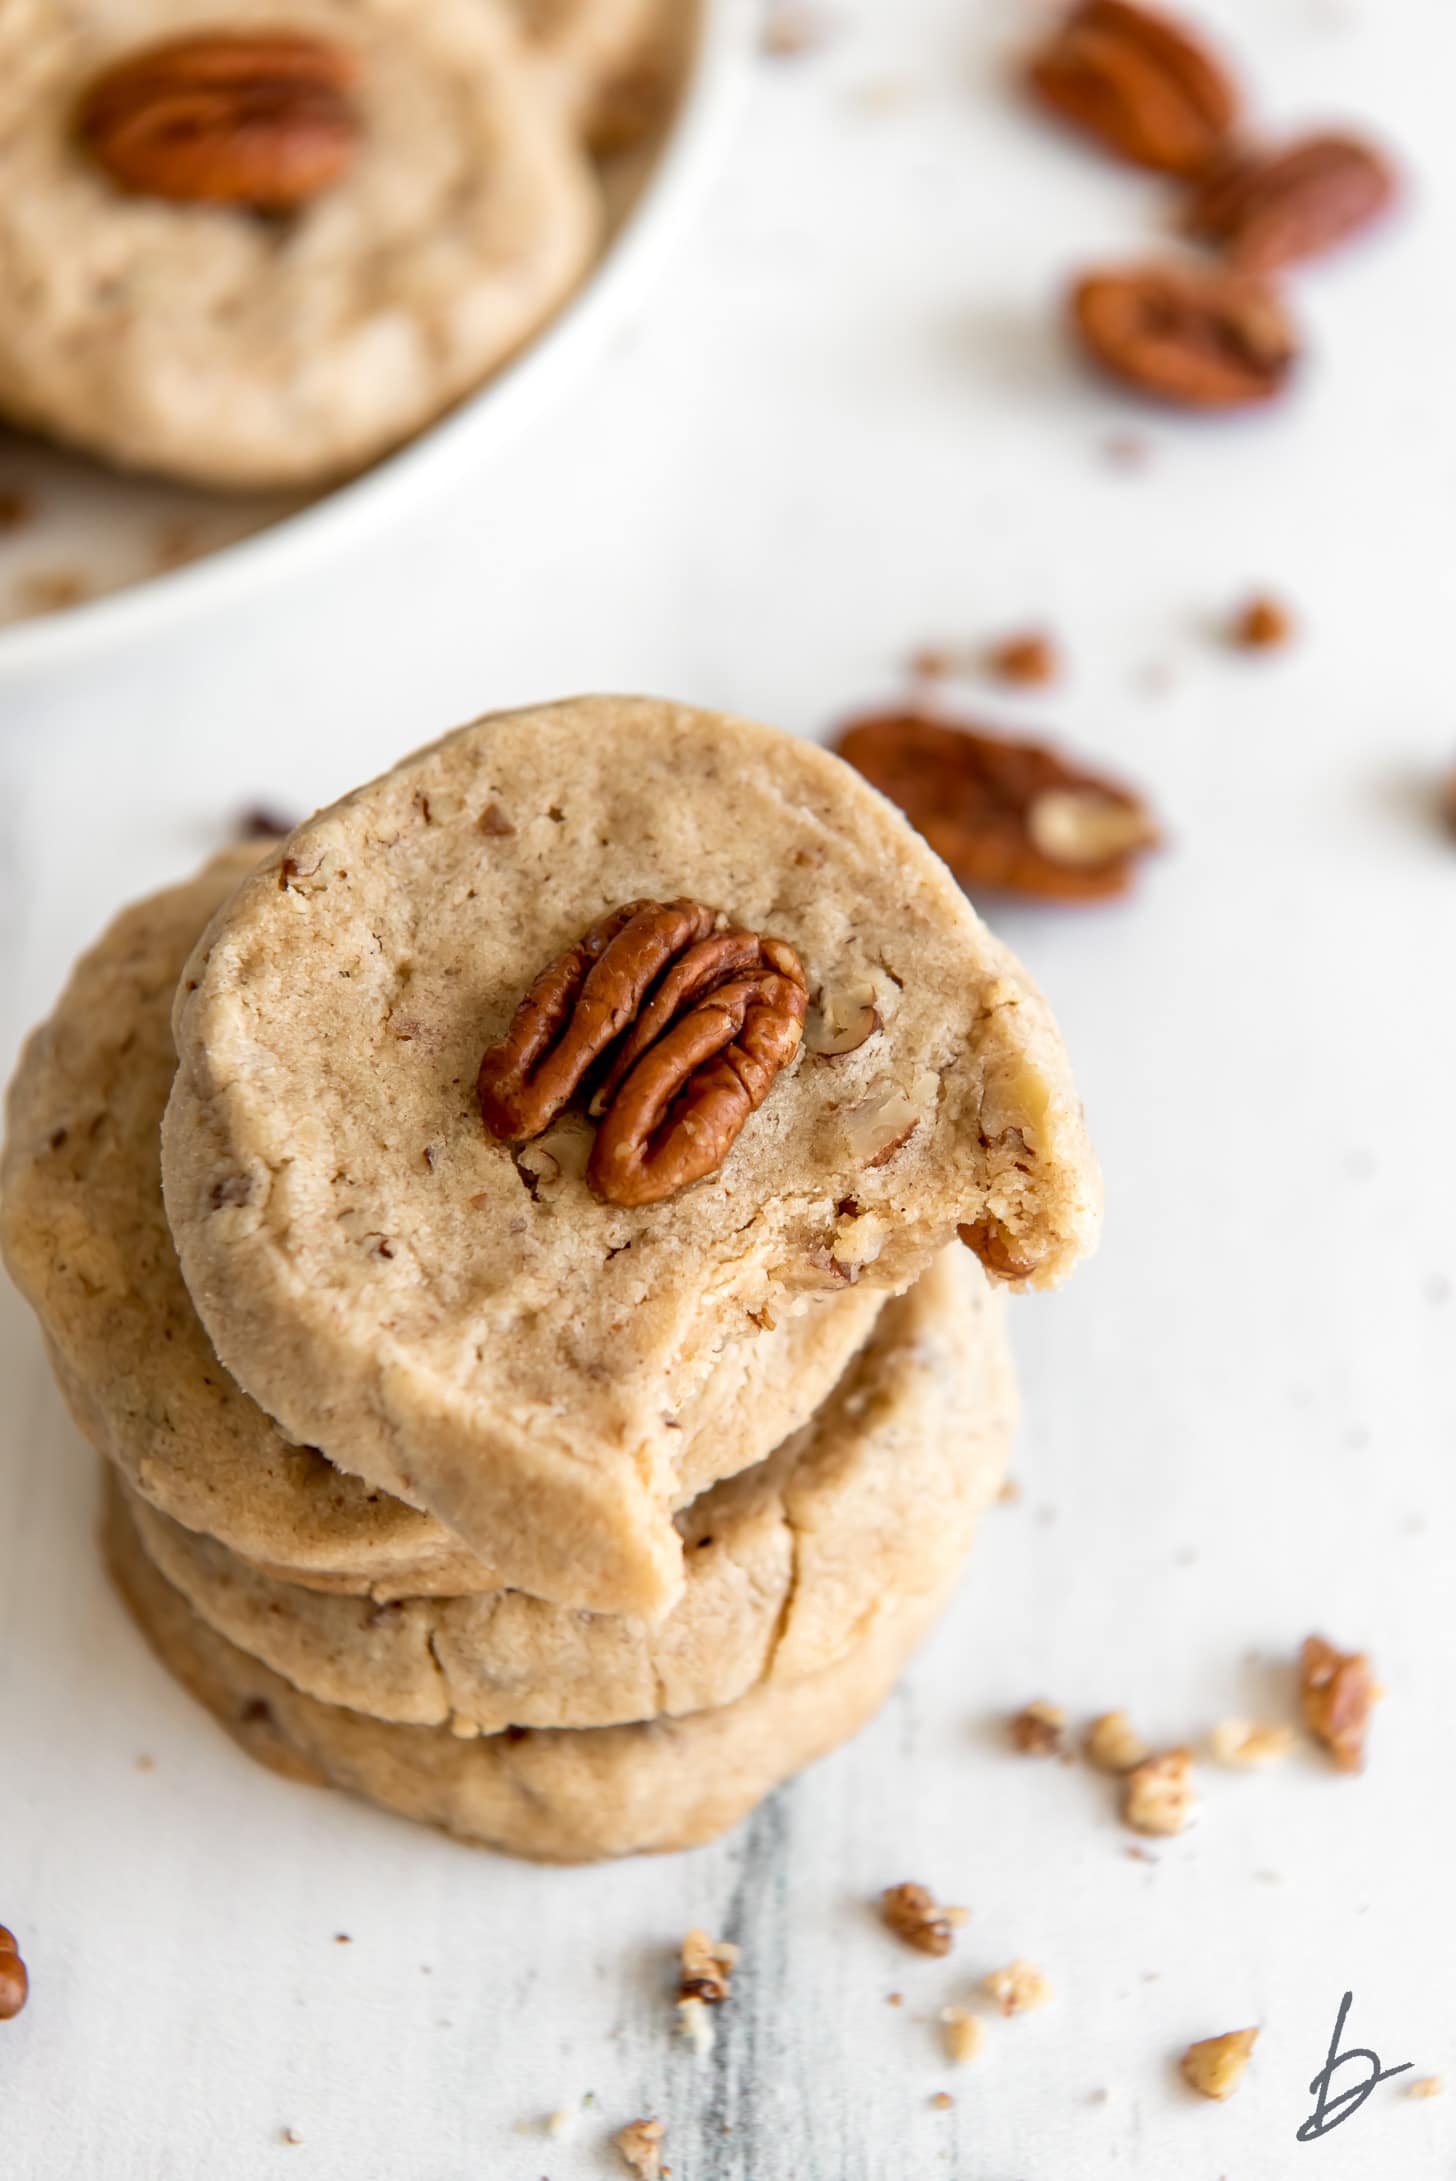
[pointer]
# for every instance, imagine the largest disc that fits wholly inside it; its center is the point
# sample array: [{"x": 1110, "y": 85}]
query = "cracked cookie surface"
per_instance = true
[{"x": 461, "y": 1322}]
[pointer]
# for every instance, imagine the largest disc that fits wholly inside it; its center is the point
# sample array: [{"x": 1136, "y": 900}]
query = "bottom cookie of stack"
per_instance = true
[{"x": 558, "y": 1795}]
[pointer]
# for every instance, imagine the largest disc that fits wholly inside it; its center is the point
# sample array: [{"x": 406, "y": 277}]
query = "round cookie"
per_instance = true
[
  {"x": 557, "y": 1796},
  {"x": 211, "y": 344},
  {"x": 875, "y": 1499},
  {"x": 366, "y": 1258},
  {"x": 86, "y": 1240}
]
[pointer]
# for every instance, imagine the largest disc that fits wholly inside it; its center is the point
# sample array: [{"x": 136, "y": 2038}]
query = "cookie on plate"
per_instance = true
[
  {"x": 256, "y": 248},
  {"x": 558, "y": 1796},
  {"x": 876, "y": 1498},
  {"x": 433, "y": 1233},
  {"x": 86, "y": 1240}
]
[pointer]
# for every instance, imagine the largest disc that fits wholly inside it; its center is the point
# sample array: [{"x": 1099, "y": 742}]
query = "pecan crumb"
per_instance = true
[
  {"x": 1113, "y": 1744},
  {"x": 494, "y": 823},
  {"x": 1337, "y": 1693},
  {"x": 1160, "y": 1797},
  {"x": 640, "y": 2147},
  {"x": 933, "y": 663},
  {"x": 1029, "y": 660},
  {"x": 914, "y": 1915},
  {"x": 14, "y": 1979},
  {"x": 1009, "y": 1494},
  {"x": 1244, "y": 1744},
  {"x": 1427, "y": 2086},
  {"x": 962, "y": 2034},
  {"x": 1017, "y": 1989},
  {"x": 942, "y": 2101},
  {"x": 1214, "y": 2067},
  {"x": 1261, "y": 624},
  {"x": 1038, "y": 1729},
  {"x": 707, "y": 1968}
]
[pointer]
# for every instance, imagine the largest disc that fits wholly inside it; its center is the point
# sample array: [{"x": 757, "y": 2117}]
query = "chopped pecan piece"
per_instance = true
[
  {"x": 639, "y": 2145},
  {"x": 1261, "y": 624},
  {"x": 1139, "y": 82},
  {"x": 1113, "y": 1743},
  {"x": 914, "y": 1915},
  {"x": 1018, "y": 1988},
  {"x": 1030, "y": 660},
  {"x": 259, "y": 118},
  {"x": 678, "y": 1023},
  {"x": 1039, "y": 1729},
  {"x": 1004, "y": 813},
  {"x": 1159, "y": 1796},
  {"x": 1268, "y": 209},
  {"x": 1214, "y": 2067},
  {"x": 1209, "y": 340},
  {"x": 14, "y": 1982},
  {"x": 1337, "y": 1693},
  {"x": 707, "y": 1968}
]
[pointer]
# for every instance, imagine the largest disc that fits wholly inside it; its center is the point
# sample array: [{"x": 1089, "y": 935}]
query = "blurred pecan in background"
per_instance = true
[
  {"x": 675, "y": 1021},
  {"x": 1145, "y": 87},
  {"x": 1198, "y": 339},
  {"x": 1006, "y": 814},
  {"x": 1268, "y": 209},
  {"x": 260, "y": 119},
  {"x": 14, "y": 1983}
]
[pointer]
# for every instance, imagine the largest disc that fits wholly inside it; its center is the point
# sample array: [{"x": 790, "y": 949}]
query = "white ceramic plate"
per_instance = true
[{"x": 115, "y": 535}]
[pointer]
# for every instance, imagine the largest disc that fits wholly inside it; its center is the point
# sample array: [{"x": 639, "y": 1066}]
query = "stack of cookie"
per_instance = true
[
  {"x": 256, "y": 247},
  {"x": 550, "y": 1376}
]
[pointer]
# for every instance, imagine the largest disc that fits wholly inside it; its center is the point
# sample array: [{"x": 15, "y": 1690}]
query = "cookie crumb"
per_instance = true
[
  {"x": 1028, "y": 660},
  {"x": 696, "y": 2025},
  {"x": 792, "y": 31},
  {"x": 1427, "y": 2086},
  {"x": 914, "y": 1915},
  {"x": 561, "y": 2124},
  {"x": 639, "y": 2145},
  {"x": 1017, "y": 1989},
  {"x": 894, "y": 1999},
  {"x": 1261, "y": 624},
  {"x": 934, "y": 663},
  {"x": 1039, "y": 1729},
  {"x": 962, "y": 2034},
  {"x": 289, "y": 2135},
  {"x": 1010, "y": 1493},
  {"x": 1214, "y": 2067},
  {"x": 1160, "y": 1796},
  {"x": 1245, "y": 1745},
  {"x": 942, "y": 2101},
  {"x": 1113, "y": 1744},
  {"x": 1337, "y": 1693},
  {"x": 707, "y": 1967},
  {"x": 1127, "y": 451}
]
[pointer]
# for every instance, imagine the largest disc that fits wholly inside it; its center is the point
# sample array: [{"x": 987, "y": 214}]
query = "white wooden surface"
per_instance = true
[{"x": 848, "y": 429}]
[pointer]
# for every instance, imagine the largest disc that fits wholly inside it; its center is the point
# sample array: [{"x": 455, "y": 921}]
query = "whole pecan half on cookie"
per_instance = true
[
  {"x": 1197, "y": 339},
  {"x": 1011, "y": 815},
  {"x": 1269, "y": 209},
  {"x": 257, "y": 118},
  {"x": 675, "y": 1022},
  {"x": 1144, "y": 86}
]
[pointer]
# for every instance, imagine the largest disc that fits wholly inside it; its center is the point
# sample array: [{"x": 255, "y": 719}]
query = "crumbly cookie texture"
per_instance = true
[
  {"x": 236, "y": 352},
  {"x": 468, "y": 1326},
  {"x": 876, "y": 1499},
  {"x": 87, "y": 1242},
  {"x": 555, "y": 1797},
  {"x": 590, "y": 45}
]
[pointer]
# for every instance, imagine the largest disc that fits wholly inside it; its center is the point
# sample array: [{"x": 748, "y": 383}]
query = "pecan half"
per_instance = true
[
  {"x": 1268, "y": 209},
  {"x": 676, "y": 1022},
  {"x": 257, "y": 118},
  {"x": 1006, "y": 814},
  {"x": 1139, "y": 82},
  {"x": 1197, "y": 339},
  {"x": 14, "y": 1983},
  {"x": 1337, "y": 1693}
]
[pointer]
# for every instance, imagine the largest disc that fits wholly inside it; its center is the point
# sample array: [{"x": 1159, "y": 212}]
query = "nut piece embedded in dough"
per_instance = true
[
  {"x": 639, "y": 2146},
  {"x": 914, "y": 1915},
  {"x": 260, "y": 119},
  {"x": 1018, "y": 1988},
  {"x": 1038, "y": 1729},
  {"x": 1159, "y": 1797},
  {"x": 1337, "y": 1693},
  {"x": 1113, "y": 1744},
  {"x": 1214, "y": 2067}
]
